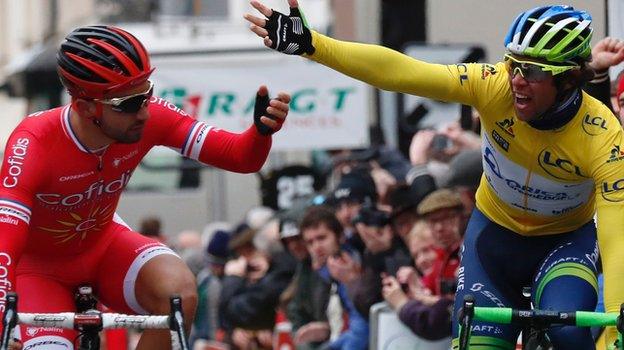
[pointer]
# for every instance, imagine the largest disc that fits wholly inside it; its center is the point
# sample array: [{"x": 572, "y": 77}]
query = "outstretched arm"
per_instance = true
[
  {"x": 243, "y": 153},
  {"x": 286, "y": 34},
  {"x": 247, "y": 152},
  {"x": 374, "y": 64}
]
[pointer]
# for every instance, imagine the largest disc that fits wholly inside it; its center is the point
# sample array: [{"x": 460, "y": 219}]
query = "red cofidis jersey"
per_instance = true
[{"x": 57, "y": 197}]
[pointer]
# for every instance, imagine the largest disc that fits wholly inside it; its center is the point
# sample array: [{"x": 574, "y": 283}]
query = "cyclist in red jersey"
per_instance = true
[{"x": 64, "y": 170}]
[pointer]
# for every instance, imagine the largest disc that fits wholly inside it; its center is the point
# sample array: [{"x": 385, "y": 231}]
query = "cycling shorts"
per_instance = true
[
  {"x": 48, "y": 283},
  {"x": 498, "y": 263}
]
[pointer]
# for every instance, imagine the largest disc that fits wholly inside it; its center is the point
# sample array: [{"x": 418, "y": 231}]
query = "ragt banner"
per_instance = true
[{"x": 327, "y": 110}]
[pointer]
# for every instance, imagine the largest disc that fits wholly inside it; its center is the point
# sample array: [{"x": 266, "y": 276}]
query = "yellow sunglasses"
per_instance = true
[{"x": 534, "y": 71}]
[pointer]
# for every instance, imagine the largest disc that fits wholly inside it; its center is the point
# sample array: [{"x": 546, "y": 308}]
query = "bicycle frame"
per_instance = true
[
  {"x": 544, "y": 318},
  {"x": 93, "y": 321}
]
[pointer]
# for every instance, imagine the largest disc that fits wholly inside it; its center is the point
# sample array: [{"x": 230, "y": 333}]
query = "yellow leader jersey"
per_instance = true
[{"x": 535, "y": 182}]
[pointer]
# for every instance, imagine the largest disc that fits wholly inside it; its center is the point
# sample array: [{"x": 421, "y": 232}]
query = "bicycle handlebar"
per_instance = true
[
  {"x": 545, "y": 317},
  {"x": 70, "y": 320},
  {"x": 92, "y": 321},
  {"x": 542, "y": 318}
]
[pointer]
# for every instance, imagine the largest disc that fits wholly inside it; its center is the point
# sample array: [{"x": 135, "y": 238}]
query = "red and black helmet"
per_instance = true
[{"x": 96, "y": 60}]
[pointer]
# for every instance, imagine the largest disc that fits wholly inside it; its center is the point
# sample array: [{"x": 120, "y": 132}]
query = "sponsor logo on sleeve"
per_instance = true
[
  {"x": 11, "y": 212},
  {"x": 463, "y": 70},
  {"x": 201, "y": 134},
  {"x": 487, "y": 70},
  {"x": 616, "y": 154},
  {"x": 15, "y": 161},
  {"x": 5, "y": 284},
  {"x": 594, "y": 125},
  {"x": 162, "y": 102}
]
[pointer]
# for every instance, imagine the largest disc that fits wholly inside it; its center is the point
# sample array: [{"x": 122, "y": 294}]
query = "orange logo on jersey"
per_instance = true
[
  {"x": 78, "y": 227},
  {"x": 616, "y": 154},
  {"x": 487, "y": 70},
  {"x": 507, "y": 126}
]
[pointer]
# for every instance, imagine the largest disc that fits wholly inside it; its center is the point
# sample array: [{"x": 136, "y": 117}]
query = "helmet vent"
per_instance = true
[{"x": 555, "y": 39}]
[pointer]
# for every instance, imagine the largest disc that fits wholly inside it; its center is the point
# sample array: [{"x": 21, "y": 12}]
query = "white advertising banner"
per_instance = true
[{"x": 327, "y": 110}]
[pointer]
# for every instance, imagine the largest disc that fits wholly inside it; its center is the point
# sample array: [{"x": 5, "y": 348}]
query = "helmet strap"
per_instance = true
[{"x": 99, "y": 110}]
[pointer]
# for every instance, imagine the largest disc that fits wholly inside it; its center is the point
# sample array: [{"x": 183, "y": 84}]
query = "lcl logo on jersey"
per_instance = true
[
  {"x": 559, "y": 168},
  {"x": 462, "y": 69},
  {"x": 507, "y": 126},
  {"x": 613, "y": 191},
  {"x": 594, "y": 125}
]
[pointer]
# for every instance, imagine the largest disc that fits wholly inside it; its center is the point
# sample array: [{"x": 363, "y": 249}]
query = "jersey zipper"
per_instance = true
[
  {"x": 100, "y": 165},
  {"x": 95, "y": 204},
  {"x": 531, "y": 162}
]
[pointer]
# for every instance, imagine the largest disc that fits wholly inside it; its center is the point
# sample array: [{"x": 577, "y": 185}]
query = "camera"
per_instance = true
[
  {"x": 448, "y": 286},
  {"x": 369, "y": 215},
  {"x": 440, "y": 142},
  {"x": 251, "y": 268}
]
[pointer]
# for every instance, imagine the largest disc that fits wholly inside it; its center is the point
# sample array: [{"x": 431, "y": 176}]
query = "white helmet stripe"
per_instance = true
[
  {"x": 529, "y": 35},
  {"x": 562, "y": 23}
]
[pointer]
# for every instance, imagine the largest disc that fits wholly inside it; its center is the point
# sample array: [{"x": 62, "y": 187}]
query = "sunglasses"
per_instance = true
[
  {"x": 131, "y": 103},
  {"x": 534, "y": 71}
]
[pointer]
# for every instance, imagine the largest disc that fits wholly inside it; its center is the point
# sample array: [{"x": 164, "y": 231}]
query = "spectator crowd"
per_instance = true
[{"x": 385, "y": 229}]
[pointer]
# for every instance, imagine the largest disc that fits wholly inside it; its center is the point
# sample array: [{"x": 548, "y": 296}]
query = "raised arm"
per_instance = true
[
  {"x": 376, "y": 65},
  {"x": 606, "y": 53},
  {"x": 243, "y": 153}
]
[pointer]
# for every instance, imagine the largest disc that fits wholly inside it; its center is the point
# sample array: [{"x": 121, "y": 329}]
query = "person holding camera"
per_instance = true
[
  {"x": 335, "y": 265},
  {"x": 385, "y": 252},
  {"x": 251, "y": 288},
  {"x": 426, "y": 315},
  {"x": 431, "y": 151}
]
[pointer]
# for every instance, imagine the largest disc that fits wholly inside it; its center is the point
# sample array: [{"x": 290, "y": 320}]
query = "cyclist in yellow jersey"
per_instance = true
[{"x": 552, "y": 158}]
